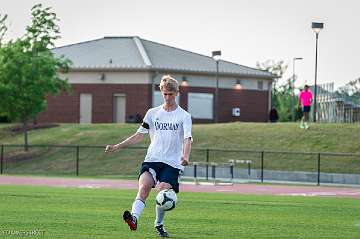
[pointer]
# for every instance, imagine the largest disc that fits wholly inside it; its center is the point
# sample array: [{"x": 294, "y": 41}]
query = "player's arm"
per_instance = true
[
  {"x": 187, "y": 140},
  {"x": 133, "y": 139},
  {"x": 186, "y": 151}
]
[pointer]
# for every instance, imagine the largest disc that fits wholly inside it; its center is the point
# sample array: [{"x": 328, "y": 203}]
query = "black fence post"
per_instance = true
[
  {"x": 195, "y": 172},
  {"x": 1, "y": 159},
  {"x": 232, "y": 171},
  {"x": 249, "y": 168},
  {"x": 207, "y": 164},
  {"x": 77, "y": 160},
  {"x": 213, "y": 167},
  {"x": 262, "y": 166},
  {"x": 318, "y": 168}
]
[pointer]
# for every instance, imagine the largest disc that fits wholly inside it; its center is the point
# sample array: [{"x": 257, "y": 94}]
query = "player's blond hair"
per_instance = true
[{"x": 169, "y": 83}]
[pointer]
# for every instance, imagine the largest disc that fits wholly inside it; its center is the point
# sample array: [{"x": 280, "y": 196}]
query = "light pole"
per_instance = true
[
  {"x": 293, "y": 89},
  {"x": 216, "y": 56},
  {"x": 316, "y": 26}
]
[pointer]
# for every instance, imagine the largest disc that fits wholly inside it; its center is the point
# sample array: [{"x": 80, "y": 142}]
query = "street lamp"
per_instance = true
[
  {"x": 293, "y": 88},
  {"x": 216, "y": 56},
  {"x": 316, "y": 26}
]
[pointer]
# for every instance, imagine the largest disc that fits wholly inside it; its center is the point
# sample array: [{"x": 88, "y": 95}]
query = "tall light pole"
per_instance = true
[
  {"x": 316, "y": 26},
  {"x": 216, "y": 56},
  {"x": 293, "y": 89}
]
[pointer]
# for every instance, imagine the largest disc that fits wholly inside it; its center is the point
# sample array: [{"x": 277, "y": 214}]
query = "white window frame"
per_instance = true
[{"x": 201, "y": 105}]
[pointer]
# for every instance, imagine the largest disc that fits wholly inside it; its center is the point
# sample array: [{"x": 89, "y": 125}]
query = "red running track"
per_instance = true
[{"x": 250, "y": 189}]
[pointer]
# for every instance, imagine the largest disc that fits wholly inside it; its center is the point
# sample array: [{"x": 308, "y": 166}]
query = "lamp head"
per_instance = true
[
  {"x": 184, "y": 81},
  {"x": 238, "y": 85},
  {"x": 317, "y": 26},
  {"x": 216, "y": 55}
]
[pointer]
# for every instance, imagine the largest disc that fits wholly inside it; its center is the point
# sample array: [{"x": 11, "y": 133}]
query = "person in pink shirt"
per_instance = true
[{"x": 305, "y": 100}]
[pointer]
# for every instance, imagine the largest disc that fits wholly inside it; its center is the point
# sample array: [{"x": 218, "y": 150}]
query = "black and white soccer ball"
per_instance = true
[{"x": 166, "y": 199}]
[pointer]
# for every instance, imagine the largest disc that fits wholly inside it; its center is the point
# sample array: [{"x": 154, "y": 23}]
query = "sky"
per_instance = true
[{"x": 246, "y": 31}]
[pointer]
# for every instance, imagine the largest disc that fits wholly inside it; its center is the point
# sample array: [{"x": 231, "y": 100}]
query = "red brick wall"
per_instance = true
[
  {"x": 253, "y": 104},
  {"x": 65, "y": 108}
]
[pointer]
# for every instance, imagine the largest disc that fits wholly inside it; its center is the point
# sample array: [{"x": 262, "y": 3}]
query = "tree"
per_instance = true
[
  {"x": 28, "y": 68},
  {"x": 283, "y": 102},
  {"x": 351, "y": 91},
  {"x": 276, "y": 68},
  {"x": 281, "y": 94},
  {"x": 3, "y": 29}
]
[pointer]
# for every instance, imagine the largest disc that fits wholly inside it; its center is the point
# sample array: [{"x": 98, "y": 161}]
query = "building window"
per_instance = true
[
  {"x": 260, "y": 84},
  {"x": 158, "y": 99},
  {"x": 200, "y": 105}
]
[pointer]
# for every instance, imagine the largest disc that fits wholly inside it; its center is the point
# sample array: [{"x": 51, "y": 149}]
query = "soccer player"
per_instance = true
[
  {"x": 305, "y": 100},
  {"x": 169, "y": 127}
]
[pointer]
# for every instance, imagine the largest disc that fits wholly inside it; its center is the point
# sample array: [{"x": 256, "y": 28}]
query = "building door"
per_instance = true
[
  {"x": 85, "y": 108},
  {"x": 119, "y": 108}
]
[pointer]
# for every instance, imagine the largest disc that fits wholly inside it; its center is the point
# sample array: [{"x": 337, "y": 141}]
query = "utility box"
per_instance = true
[{"x": 236, "y": 112}]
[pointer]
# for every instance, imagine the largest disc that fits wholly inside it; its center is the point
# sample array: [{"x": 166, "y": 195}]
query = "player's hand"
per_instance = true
[
  {"x": 184, "y": 162},
  {"x": 110, "y": 148}
]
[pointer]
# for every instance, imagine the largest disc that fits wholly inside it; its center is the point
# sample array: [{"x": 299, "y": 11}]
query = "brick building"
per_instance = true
[{"x": 115, "y": 79}]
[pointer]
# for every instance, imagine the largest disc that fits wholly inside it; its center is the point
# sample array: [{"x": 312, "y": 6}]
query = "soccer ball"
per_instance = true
[{"x": 166, "y": 199}]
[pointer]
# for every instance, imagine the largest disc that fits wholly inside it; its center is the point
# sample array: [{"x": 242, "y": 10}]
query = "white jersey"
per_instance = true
[{"x": 167, "y": 133}]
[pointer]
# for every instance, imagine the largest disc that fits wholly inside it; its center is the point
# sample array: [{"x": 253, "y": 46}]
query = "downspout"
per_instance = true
[{"x": 270, "y": 99}]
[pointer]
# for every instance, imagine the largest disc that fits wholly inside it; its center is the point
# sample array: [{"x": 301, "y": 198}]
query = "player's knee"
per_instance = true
[
  {"x": 143, "y": 195},
  {"x": 144, "y": 191},
  {"x": 163, "y": 186}
]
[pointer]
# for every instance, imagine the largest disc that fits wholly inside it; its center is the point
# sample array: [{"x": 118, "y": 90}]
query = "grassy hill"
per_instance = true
[{"x": 332, "y": 138}]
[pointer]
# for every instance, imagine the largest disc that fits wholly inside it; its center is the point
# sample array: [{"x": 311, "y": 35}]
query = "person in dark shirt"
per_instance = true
[{"x": 273, "y": 115}]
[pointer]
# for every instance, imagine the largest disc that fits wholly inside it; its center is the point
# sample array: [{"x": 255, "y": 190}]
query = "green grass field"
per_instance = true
[
  {"x": 94, "y": 213},
  {"x": 240, "y": 136}
]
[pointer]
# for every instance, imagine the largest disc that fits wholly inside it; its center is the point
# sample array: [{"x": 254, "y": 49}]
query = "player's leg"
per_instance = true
[
  {"x": 160, "y": 213},
  {"x": 168, "y": 178},
  {"x": 306, "y": 113},
  {"x": 302, "y": 118},
  {"x": 146, "y": 182}
]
